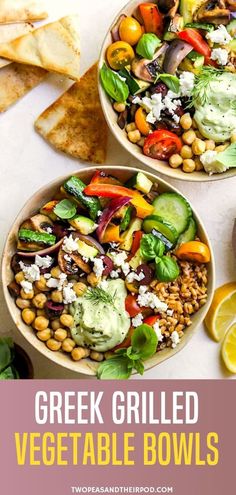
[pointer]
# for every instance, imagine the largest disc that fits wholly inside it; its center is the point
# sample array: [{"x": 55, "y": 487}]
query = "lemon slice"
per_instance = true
[
  {"x": 228, "y": 350},
  {"x": 222, "y": 312}
]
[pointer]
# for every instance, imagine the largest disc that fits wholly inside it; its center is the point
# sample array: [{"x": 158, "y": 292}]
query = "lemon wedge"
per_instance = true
[
  {"x": 228, "y": 350},
  {"x": 222, "y": 312}
]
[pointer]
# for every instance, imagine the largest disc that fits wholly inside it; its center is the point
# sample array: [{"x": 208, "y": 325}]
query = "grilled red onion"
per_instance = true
[
  {"x": 175, "y": 53},
  {"x": 115, "y": 30},
  {"x": 108, "y": 263},
  {"x": 113, "y": 206},
  {"x": 43, "y": 252}
]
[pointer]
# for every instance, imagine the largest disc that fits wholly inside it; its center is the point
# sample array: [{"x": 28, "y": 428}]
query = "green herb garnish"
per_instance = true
[
  {"x": 167, "y": 269},
  {"x": 113, "y": 84},
  {"x": 147, "y": 45},
  {"x": 150, "y": 247},
  {"x": 172, "y": 82},
  {"x": 97, "y": 295},
  {"x": 119, "y": 366},
  {"x": 65, "y": 209}
]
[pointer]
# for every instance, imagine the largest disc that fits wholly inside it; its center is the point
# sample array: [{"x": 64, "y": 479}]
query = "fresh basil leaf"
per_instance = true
[
  {"x": 113, "y": 84},
  {"x": 120, "y": 352},
  {"x": 147, "y": 45},
  {"x": 5, "y": 355},
  {"x": 134, "y": 356},
  {"x": 116, "y": 368},
  {"x": 138, "y": 365},
  {"x": 7, "y": 374},
  {"x": 227, "y": 157},
  {"x": 151, "y": 246},
  {"x": 167, "y": 269},
  {"x": 172, "y": 82},
  {"x": 65, "y": 209},
  {"x": 144, "y": 341}
]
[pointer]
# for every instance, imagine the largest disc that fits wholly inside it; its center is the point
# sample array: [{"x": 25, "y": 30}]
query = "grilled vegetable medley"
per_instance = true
[
  {"x": 110, "y": 271},
  {"x": 170, "y": 72}
]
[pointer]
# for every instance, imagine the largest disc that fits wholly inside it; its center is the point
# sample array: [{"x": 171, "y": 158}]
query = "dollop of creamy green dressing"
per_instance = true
[
  {"x": 100, "y": 326},
  {"x": 216, "y": 117}
]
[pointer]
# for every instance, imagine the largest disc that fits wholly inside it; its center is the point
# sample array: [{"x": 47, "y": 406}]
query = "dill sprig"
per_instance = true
[
  {"x": 202, "y": 82},
  {"x": 97, "y": 295}
]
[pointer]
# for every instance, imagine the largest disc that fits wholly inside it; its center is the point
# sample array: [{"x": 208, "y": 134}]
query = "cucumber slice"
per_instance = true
[
  {"x": 83, "y": 224},
  {"x": 189, "y": 234},
  {"x": 173, "y": 208},
  {"x": 140, "y": 182},
  {"x": 153, "y": 222}
]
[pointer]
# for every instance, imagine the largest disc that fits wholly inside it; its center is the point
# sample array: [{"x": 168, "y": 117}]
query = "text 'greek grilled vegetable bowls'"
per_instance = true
[
  {"x": 108, "y": 271},
  {"x": 167, "y": 82}
]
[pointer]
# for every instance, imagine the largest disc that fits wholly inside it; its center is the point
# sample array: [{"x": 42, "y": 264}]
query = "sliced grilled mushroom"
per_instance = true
[
  {"x": 72, "y": 264},
  {"x": 41, "y": 223},
  {"x": 213, "y": 11},
  {"x": 168, "y": 7},
  {"x": 145, "y": 69}
]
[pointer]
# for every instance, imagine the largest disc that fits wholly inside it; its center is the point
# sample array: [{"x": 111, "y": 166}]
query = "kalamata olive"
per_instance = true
[
  {"x": 170, "y": 124},
  {"x": 160, "y": 87},
  {"x": 59, "y": 230},
  {"x": 122, "y": 119},
  {"x": 15, "y": 262},
  {"x": 53, "y": 310},
  {"x": 14, "y": 289},
  {"x": 131, "y": 112},
  {"x": 108, "y": 264},
  {"x": 147, "y": 272}
]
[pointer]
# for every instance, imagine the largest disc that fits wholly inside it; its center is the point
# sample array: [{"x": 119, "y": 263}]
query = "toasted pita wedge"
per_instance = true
[
  {"x": 54, "y": 47},
  {"x": 22, "y": 10},
  {"x": 9, "y": 32},
  {"x": 75, "y": 123},
  {"x": 16, "y": 80}
]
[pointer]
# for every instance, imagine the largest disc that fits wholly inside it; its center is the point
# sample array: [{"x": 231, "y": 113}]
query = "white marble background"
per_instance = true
[{"x": 27, "y": 162}]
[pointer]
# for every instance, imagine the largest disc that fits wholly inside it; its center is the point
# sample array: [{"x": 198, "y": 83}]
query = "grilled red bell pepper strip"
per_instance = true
[
  {"x": 152, "y": 18},
  {"x": 136, "y": 241},
  {"x": 194, "y": 38}
]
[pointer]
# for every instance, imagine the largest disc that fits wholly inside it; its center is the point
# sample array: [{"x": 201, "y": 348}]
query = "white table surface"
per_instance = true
[{"x": 27, "y": 162}]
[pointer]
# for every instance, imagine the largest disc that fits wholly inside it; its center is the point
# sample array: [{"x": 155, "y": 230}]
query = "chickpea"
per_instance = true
[
  {"x": 55, "y": 324},
  {"x": 53, "y": 344},
  {"x": 19, "y": 277},
  {"x": 119, "y": 107},
  {"x": 186, "y": 121},
  {"x": 41, "y": 284},
  {"x": 67, "y": 320},
  {"x": 210, "y": 144},
  {"x": 44, "y": 335},
  {"x": 57, "y": 296},
  {"x": 79, "y": 353},
  {"x": 175, "y": 160},
  {"x": 222, "y": 147},
  {"x": 198, "y": 147},
  {"x": 189, "y": 136},
  {"x": 186, "y": 151},
  {"x": 28, "y": 316},
  {"x": 22, "y": 303},
  {"x": 96, "y": 356},
  {"x": 141, "y": 142},
  {"x": 93, "y": 280},
  {"x": 26, "y": 295},
  {"x": 198, "y": 164},
  {"x": 233, "y": 137},
  {"x": 188, "y": 165},
  {"x": 39, "y": 300},
  {"x": 60, "y": 334},
  {"x": 41, "y": 312},
  {"x": 131, "y": 127},
  {"x": 68, "y": 345},
  {"x": 55, "y": 272},
  {"x": 134, "y": 136},
  {"x": 79, "y": 288},
  {"x": 41, "y": 323}
]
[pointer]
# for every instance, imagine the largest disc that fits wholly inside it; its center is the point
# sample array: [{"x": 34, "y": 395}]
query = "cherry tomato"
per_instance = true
[
  {"x": 141, "y": 122},
  {"x": 194, "y": 38},
  {"x": 194, "y": 251},
  {"x": 161, "y": 144},
  {"x": 151, "y": 320},
  {"x": 120, "y": 54},
  {"x": 132, "y": 306},
  {"x": 130, "y": 30}
]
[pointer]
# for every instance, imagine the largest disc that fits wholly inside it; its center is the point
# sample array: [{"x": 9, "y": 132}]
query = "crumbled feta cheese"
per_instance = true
[
  {"x": 220, "y": 35},
  {"x": 53, "y": 283},
  {"x": 114, "y": 245},
  {"x": 137, "y": 320},
  {"x": 132, "y": 276},
  {"x": 31, "y": 272},
  {"x": 118, "y": 258},
  {"x": 43, "y": 261},
  {"x": 220, "y": 55},
  {"x": 67, "y": 258},
  {"x": 70, "y": 245},
  {"x": 171, "y": 104},
  {"x": 98, "y": 266},
  {"x": 125, "y": 268},
  {"x": 208, "y": 159},
  {"x": 115, "y": 273},
  {"x": 69, "y": 295},
  {"x": 169, "y": 312},
  {"x": 49, "y": 230},
  {"x": 47, "y": 275},
  {"x": 155, "y": 104},
  {"x": 175, "y": 339},
  {"x": 156, "y": 328},
  {"x": 150, "y": 300},
  {"x": 186, "y": 80},
  {"x": 26, "y": 286}
]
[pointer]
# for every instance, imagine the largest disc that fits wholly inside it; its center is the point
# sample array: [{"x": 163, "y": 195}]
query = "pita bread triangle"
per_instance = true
[
  {"x": 75, "y": 123},
  {"x": 9, "y": 32},
  {"x": 54, "y": 47},
  {"x": 21, "y": 10}
]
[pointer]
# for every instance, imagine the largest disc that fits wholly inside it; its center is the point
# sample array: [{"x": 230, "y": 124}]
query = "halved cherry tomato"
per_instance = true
[
  {"x": 127, "y": 342},
  {"x": 194, "y": 38},
  {"x": 120, "y": 54},
  {"x": 194, "y": 251},
  {"x": 132, "y": 306},
  {"x": 141, "y": 122},
  {"x": 152, "y": 18},
  {"x": 130, "y": 30},
  {"x": 151, "y": 320},
  {"x": 136, "y": 241},
  {"x": 162, "y": 144}
]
